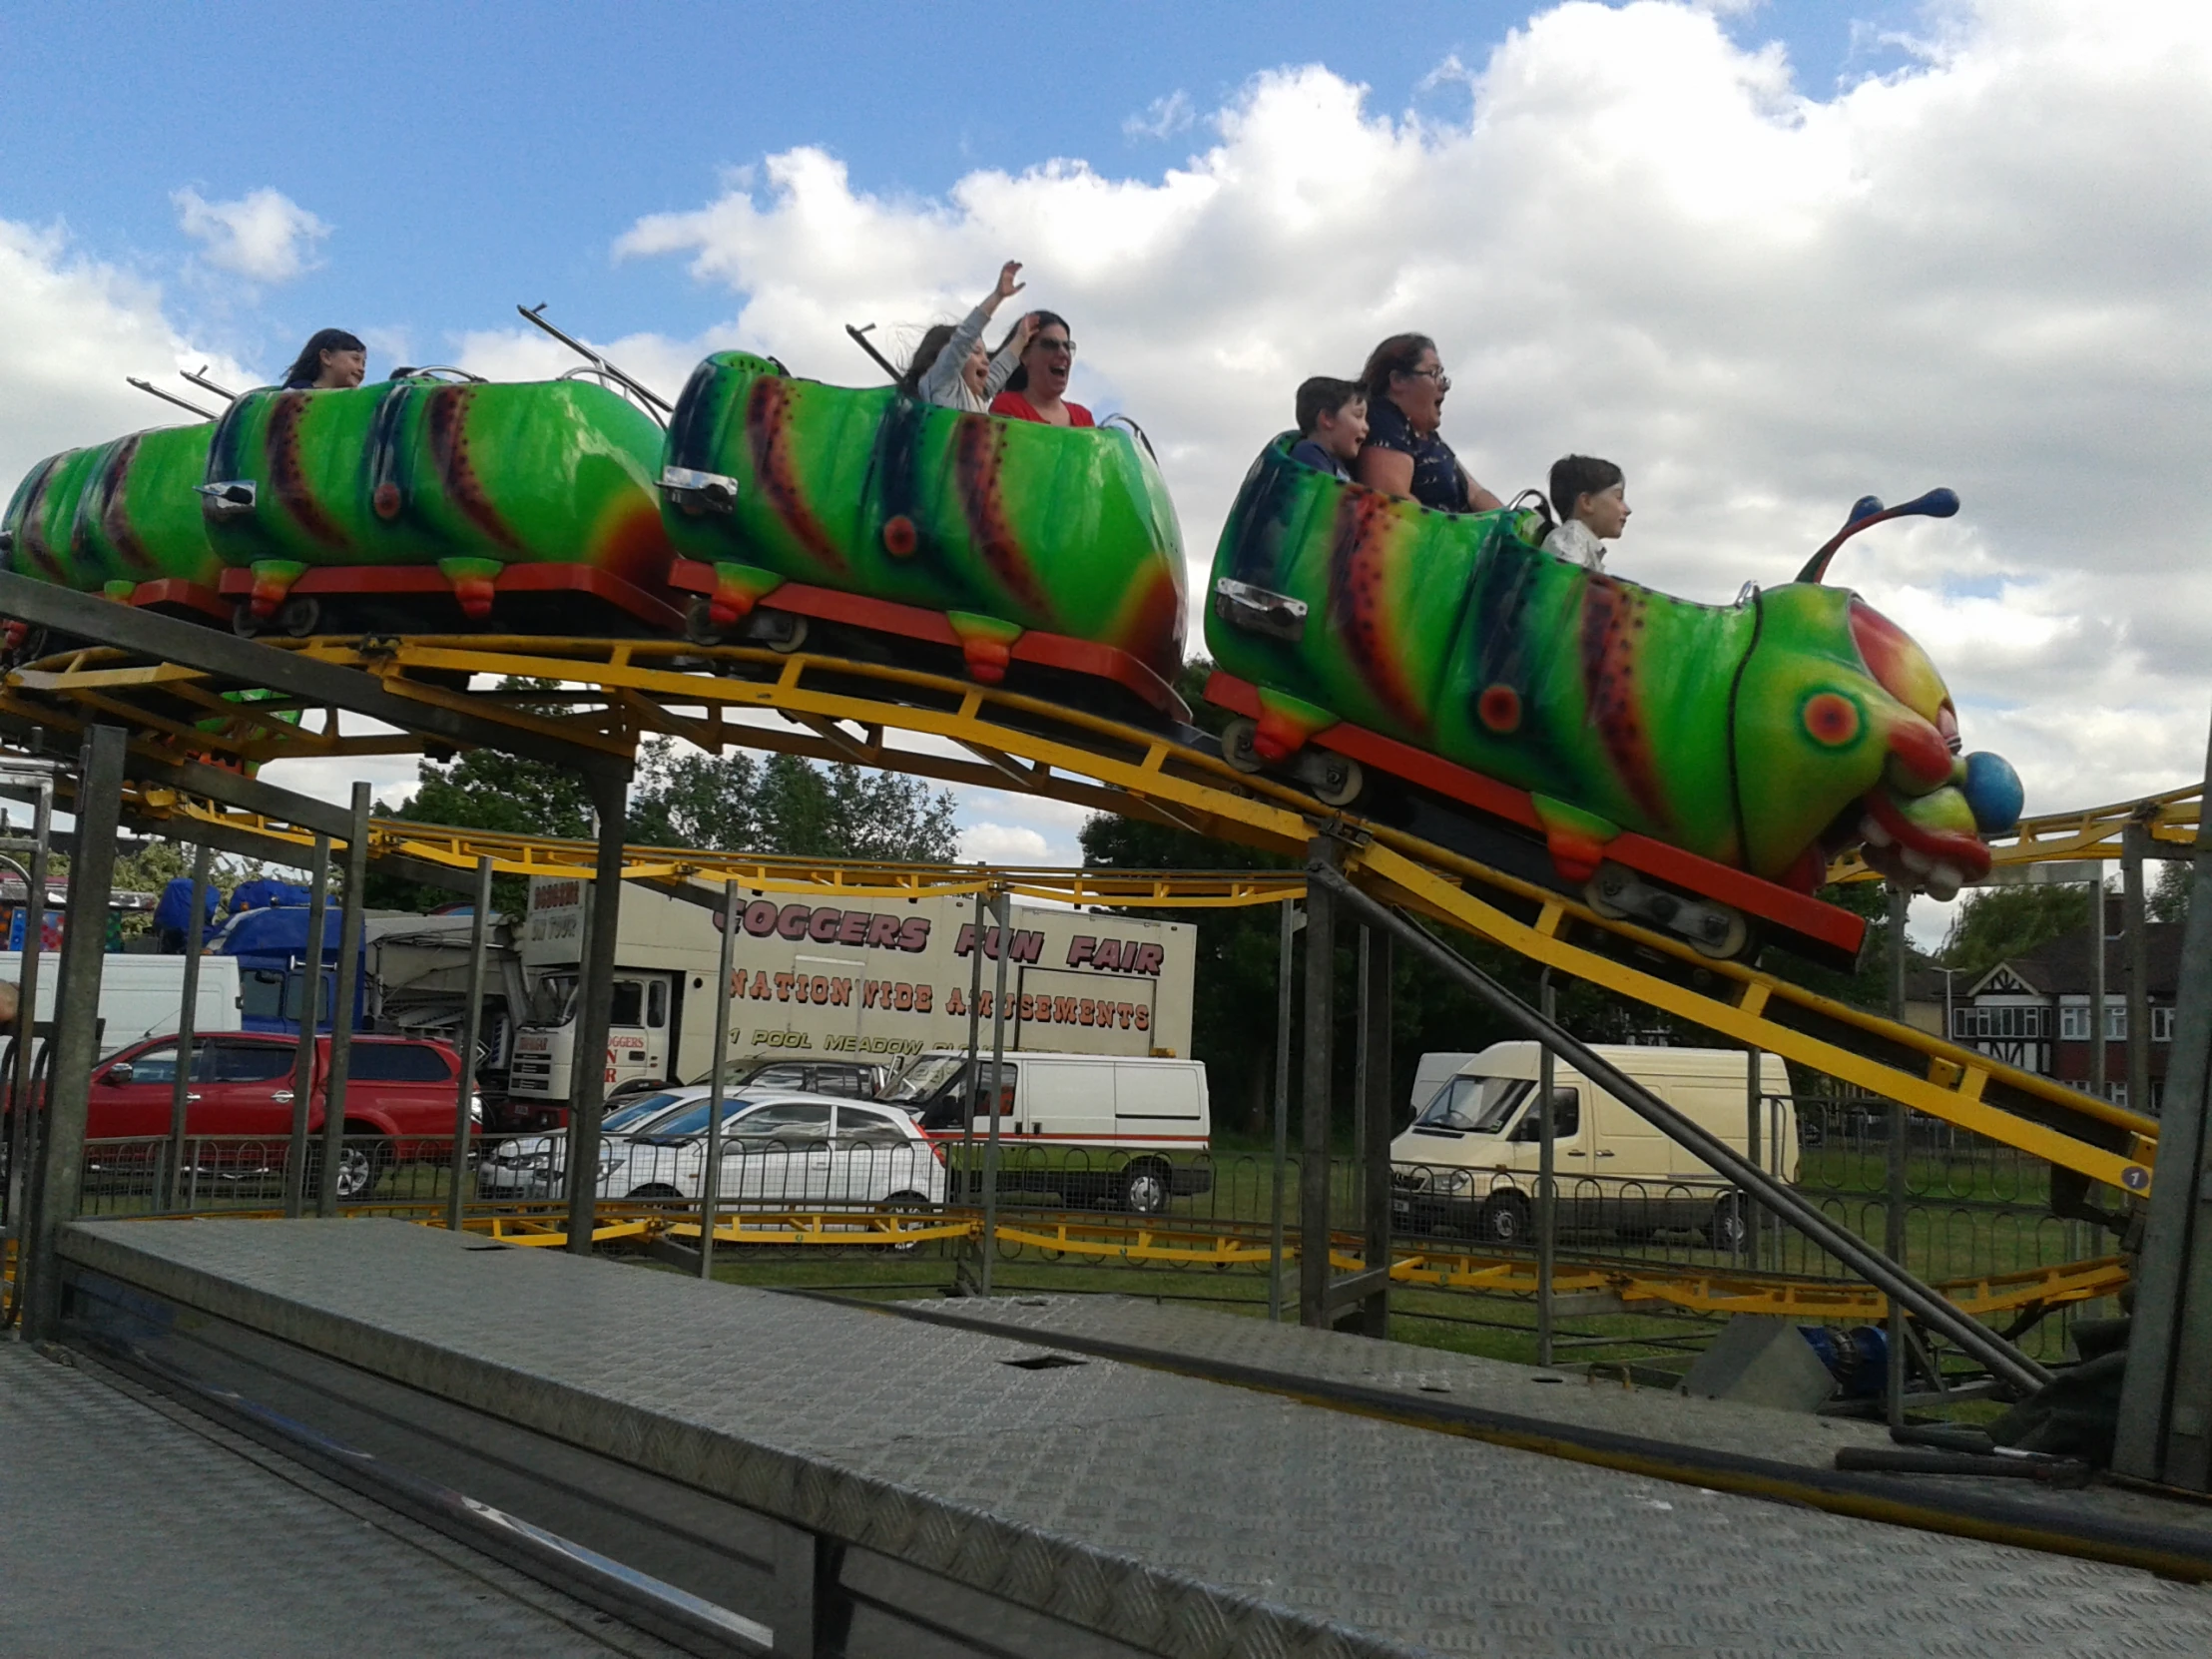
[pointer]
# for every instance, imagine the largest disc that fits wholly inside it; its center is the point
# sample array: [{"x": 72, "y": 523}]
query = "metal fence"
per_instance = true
[{"x": 1195, "y": 1226}]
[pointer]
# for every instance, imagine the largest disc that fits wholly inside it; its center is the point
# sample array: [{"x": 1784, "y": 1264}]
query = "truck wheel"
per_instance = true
[
  {"x": 1728, "y": 1228},
  {"x": 1145, "y": 1188},
  {"x": 1505, "y": 1219},
  {"x": 360, "y": 1169}
]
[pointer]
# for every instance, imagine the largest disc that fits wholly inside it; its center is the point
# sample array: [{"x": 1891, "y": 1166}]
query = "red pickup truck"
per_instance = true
[{"x": 401, "y": 1088}]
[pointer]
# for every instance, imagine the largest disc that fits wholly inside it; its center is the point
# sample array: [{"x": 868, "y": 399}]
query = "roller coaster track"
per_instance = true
[{"x": 612, "y": 694}]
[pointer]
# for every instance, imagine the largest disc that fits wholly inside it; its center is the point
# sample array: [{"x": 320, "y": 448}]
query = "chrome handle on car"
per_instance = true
[
  {"x": 191, "y": 1097},
  {"x": 280, "y": 1094}
]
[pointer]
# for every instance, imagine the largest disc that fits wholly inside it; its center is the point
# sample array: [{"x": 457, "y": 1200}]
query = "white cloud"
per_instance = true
[
  {"x": 1162, "y": 118},
  {"x": 1004, "y": 844},
  {"x": 264, "y": 235},
  {"x": 1984, "y": 269},
  {"x": 70, "y": 330}
]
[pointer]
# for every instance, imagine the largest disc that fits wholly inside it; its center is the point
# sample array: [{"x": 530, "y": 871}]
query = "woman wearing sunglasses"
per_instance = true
[
  {"x": 1404, "y": 456},
  {"x": 1037, "y": 390}
]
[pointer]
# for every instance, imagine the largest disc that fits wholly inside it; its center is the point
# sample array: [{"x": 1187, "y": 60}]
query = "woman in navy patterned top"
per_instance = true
[{"x": 1403, "y": 455}]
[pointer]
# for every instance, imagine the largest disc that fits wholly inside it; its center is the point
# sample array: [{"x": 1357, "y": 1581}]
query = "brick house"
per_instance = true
[{"x": 2032, "y": 1010}]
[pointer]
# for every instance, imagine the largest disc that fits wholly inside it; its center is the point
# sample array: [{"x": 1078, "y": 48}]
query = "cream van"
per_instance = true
[{"x": 1467, "y": 1164}]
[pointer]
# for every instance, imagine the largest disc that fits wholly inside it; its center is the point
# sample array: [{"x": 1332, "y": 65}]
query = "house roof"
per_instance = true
[{"x": 2065, "y": 965}]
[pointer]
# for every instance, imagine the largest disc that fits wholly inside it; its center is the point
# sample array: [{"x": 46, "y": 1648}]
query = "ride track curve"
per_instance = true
[{"x": 610, "y": 694}]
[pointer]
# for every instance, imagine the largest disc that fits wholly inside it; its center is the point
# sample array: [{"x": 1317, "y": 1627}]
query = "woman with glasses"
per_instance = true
[
  {"x": 1404, "y": 456},
  {"x": 1037, "y": 390}
]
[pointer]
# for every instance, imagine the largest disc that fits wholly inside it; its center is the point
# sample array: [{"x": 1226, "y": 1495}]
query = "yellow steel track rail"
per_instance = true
[{"x": 612, "y": 693}]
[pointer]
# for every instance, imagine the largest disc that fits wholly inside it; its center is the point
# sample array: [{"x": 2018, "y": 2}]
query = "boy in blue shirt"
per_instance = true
[{"x": 1332, "y": 424}]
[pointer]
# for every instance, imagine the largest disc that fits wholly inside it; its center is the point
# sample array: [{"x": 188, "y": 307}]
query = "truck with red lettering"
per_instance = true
[{"x": 879, "y": 979}]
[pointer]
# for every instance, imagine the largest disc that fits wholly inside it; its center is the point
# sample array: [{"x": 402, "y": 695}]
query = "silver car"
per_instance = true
[
  {"x": 535, "y": 1166},
  {"x": 785, "y": 1149}
]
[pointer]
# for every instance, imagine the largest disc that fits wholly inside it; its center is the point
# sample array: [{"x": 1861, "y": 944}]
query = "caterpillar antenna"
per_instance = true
[
  {"x": 152, "y": 390},
  {"x": 1865, "y": 513},
  {"x": 199, "y": 378},
  {"x": 860, "y": 338},
  {"x": 536, "y": 314}
]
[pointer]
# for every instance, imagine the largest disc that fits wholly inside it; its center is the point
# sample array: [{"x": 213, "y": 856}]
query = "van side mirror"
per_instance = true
[{"x": 118, "y": 1074}]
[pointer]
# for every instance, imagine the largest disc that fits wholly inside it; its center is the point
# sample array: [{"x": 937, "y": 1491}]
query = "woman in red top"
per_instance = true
[{"x": 1037, "y": 390}]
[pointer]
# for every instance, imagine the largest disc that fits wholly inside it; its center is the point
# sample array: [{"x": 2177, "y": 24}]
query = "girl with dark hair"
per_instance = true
[
  {"x": 1404, "y": 456},
  {"x": 1038, "y": 389},
  {"x": 952, "y": 368},
  {"x": 331, "y": 360}
]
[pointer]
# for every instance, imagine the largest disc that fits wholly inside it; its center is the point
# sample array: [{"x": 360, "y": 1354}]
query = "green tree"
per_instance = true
[
  {"x": 1998, "y": 923},
  {"x": 738, "y": 803},
  {"x": 2168, "y": 900}
]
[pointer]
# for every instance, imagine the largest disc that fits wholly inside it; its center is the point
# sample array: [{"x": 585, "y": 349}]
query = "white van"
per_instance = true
[
  {"x": 1094, "y": 1128},
  {"x": 1467, "y": 1164},
  {"x": 140, "y": 996}
]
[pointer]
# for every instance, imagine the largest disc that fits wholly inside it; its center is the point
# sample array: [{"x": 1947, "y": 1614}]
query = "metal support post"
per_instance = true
[
  {"x": 2134, "y": 921},
  {"x": 311, "y": 1016},
  {"x": 1362, "y": 1052},
  {"x": 1748, "y": 1218},
  {"x": 1320, "y": 1021},
  {"x": 335, "y": 1097},
  {"x": 587, "y": 1071},
  {"x": 21, "y": 1116},
  {"x": 1281, "y": 1161},
  {"x": 1372, "y": 1148},
  {"x": 2100, "y": 1031},
  {"x": 1893, "y": 1237},
  {"x": 710, "y": 1177},
  {"x": 971, "y": 1080},
  {"x": 2005, "y": 1362},
  {"x": 472, "y": 1031},
  {"x": 1547, "y": 1178},
  {"x": 1003, "y": 905},
  {"x": 60, "y": 1177},
  {"x": 2165, "y": 1430},
  {"x": 180, "y": 1089}
]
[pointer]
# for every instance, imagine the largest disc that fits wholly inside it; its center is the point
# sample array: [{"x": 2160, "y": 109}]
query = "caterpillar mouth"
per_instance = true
[{"x": 1938, "y": 857}]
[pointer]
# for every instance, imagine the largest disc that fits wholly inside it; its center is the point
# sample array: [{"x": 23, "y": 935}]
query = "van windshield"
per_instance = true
[
  {"x": 550, "y": 999},
  {"x": 1476, "y": 1105},
  {"x": 928, "y": 1075}
]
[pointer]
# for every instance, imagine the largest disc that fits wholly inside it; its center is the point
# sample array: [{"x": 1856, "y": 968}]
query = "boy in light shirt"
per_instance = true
[{"x": 1589, "y": 495}]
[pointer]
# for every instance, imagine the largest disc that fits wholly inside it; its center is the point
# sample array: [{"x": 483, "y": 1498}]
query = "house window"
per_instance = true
[
  {"x": 2115, "y": 1020},
  {"x": 2001, "y": 1020},
  {"x": 2073, "y": 1023},
  {"x": 2116, "y": 1093},
  {"x": 2161, "y": 1025}
]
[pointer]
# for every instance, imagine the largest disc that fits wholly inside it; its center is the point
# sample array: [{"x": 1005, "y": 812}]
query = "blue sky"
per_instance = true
[{"x": 469, "y": 157}]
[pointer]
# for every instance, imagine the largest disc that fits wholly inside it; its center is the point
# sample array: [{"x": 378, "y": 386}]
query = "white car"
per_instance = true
[
  {"x": 785, "y": 1148},
  {"x": 533, "y": 1166}
]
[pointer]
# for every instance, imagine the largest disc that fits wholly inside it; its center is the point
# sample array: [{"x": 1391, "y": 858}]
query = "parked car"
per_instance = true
[
  {"x": 849, "y": 1079},
  {"x": 241, "y": 1089},
  {"x": 533, "y": 1166},
  {"x": 784, "y": 1148}
]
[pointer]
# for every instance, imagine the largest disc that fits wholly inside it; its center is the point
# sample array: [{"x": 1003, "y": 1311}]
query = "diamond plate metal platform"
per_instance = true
[
  {"x": 125, "y": 1531},
  {"x": 1127, "y": 1508}
]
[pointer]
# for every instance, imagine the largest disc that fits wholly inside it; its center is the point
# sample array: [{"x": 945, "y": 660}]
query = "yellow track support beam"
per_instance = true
[{"x": 614, "y": 692}]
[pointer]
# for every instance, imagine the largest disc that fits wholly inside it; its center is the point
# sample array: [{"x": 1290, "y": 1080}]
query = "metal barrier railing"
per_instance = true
[{"x": 1194, "y": 1225}]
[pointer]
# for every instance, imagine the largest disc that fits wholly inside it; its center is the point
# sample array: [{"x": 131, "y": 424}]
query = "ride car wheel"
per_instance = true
[
  {"x": 1145, "y": 1188},
  {"x": 1236, "y": 744},
  {"x": 1505, "y": 1219}
]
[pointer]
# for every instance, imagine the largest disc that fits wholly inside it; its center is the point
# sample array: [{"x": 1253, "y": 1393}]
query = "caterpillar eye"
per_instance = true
[{"x": 1831, "y": 719}]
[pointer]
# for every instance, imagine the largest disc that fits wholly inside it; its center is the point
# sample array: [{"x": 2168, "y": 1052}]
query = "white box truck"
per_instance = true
[
  {"x": 1466, "y": 1166},
  {"x": 880, "y": 978}
]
